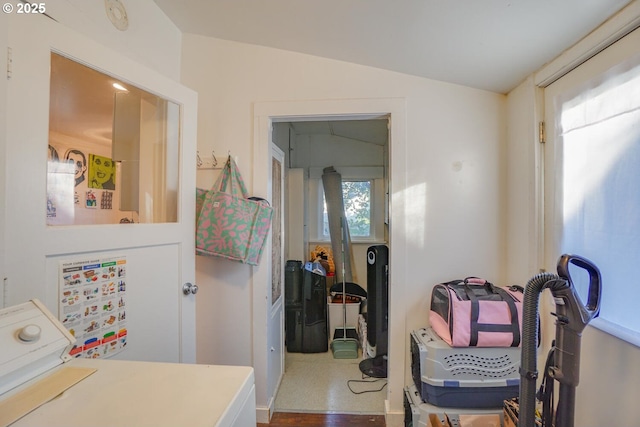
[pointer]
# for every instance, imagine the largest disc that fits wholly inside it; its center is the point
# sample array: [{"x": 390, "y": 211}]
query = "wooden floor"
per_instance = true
[{"x": 286, "y": 419}]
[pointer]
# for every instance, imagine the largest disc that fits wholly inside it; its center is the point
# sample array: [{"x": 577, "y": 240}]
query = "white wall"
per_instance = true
[
  {"x": 151, "y": 39},
  {"x": 452, "y": 207},
  {"x": 3, "y": 139}
]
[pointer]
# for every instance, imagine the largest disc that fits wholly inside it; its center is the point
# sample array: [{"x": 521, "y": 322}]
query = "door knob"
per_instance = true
[{"x": 188, "y": 288}]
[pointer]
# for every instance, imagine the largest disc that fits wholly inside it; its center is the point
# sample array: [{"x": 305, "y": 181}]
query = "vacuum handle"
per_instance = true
[{"x": 595, "y": 280}]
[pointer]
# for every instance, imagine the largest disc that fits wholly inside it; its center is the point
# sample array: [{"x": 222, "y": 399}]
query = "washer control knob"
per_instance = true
[{"x": 30, "y": 333}]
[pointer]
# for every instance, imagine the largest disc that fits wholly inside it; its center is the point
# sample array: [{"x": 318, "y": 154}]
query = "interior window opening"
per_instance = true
[{"x": 113, "y": 150}]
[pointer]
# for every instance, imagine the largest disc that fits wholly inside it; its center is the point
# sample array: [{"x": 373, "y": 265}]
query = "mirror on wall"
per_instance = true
[{"x": 113, "y": 150}]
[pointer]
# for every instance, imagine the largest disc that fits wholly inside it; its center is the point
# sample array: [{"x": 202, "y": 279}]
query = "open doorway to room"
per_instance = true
[{"x": 314, "y": 380}]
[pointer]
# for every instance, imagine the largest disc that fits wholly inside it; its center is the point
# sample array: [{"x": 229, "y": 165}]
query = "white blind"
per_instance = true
[{"x": 600, "y": 141}]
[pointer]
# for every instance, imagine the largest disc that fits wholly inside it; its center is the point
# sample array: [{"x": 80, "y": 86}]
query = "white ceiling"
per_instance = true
[
  {"x": 485, "y": 44},
  {"x": 372, "y": 131}
]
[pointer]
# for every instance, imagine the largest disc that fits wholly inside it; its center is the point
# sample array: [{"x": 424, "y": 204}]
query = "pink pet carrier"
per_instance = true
[{"x": 474, "y": 313}]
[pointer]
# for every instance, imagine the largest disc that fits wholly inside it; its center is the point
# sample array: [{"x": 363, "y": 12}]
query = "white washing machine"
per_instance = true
[{"x": 41, "y": 386}]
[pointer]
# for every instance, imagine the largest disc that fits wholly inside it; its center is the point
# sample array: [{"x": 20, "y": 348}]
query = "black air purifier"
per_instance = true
[{"x": 377, "y": 312}]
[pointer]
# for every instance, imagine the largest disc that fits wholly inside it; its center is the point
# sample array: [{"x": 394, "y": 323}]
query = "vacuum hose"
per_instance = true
[
  {"x": 528, "y": 364},
  {"x": 572, "y": 316}
]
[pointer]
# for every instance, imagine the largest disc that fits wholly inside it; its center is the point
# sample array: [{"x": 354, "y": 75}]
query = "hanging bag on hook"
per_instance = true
[
  {"x": 475, "y": 313},
  {"x": 229, "y": 223}
]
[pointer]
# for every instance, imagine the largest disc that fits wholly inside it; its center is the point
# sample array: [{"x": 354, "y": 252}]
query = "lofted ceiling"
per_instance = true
[
  {"x": 486, "y": 44},
  {"x": 371, "y": 131}
]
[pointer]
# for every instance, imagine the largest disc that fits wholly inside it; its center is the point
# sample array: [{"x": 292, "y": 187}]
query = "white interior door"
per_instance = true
[
  {"x": 276, "y": 311},
  {"x": 160, "y": 319}
]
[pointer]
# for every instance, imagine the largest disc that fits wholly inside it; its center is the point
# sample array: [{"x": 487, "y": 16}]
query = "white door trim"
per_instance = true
[{"x": 266, "y": 113}]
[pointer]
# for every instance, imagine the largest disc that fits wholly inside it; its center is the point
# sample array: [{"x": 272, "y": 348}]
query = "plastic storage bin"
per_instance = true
[
  {"x": 416, "y": 412},
  {"x": 336, "y": 317},
  {"x": 469, "y": 377}
]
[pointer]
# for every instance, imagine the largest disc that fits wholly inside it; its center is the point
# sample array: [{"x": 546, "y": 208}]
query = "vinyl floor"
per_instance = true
[{"x": 318, "y": 383}]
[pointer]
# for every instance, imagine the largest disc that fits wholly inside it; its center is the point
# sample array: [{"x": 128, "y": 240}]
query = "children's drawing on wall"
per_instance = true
[
  {"x": 91, "y": 201},
  {"x": 81, "y": 183},
  {"x": 102, "y": 172},
  {"x": 79, "y": 161},
  {"x": 106, "y": 201},
  {"x": 51, "y": 208},
  {"x": 52, "y": 154},
  {"x": 59, "y": 188}
]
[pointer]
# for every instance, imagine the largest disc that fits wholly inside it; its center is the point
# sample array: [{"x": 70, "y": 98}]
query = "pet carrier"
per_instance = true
[{"x": 470, "y": 377}]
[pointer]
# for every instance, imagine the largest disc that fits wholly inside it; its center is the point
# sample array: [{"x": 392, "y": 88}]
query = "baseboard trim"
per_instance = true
[
  {"x": 263, "y": 414},
  {"x": 392, "y": 418}
]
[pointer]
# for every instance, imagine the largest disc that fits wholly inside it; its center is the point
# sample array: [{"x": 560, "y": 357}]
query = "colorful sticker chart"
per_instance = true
[{"x": 92, "y": 305}]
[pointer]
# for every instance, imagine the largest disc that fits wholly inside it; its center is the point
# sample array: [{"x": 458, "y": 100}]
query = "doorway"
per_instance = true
[
  {"x": 358, "y": 149},
  {"x": 265, "y": 115}
]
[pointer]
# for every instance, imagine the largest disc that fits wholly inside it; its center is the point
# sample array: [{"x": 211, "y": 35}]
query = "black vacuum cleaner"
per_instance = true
[{"x": 563, "y": 362}]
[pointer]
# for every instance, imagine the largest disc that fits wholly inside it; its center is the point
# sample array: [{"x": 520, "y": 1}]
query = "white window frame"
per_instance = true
[
  {"x": 554, "y": 228},
  {"x": 316, "y": 209}
]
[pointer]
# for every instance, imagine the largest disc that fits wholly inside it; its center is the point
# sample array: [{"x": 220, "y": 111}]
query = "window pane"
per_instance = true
[
  {"x": 113, "y": 151},
  {"x": 356, "y": 196}
]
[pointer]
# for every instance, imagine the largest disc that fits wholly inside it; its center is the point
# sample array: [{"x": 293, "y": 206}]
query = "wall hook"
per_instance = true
[{"x": 206, "y": 163}]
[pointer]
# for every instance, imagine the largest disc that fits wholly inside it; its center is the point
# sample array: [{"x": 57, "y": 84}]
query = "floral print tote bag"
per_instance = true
[{"x": 229, "y": 223}]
